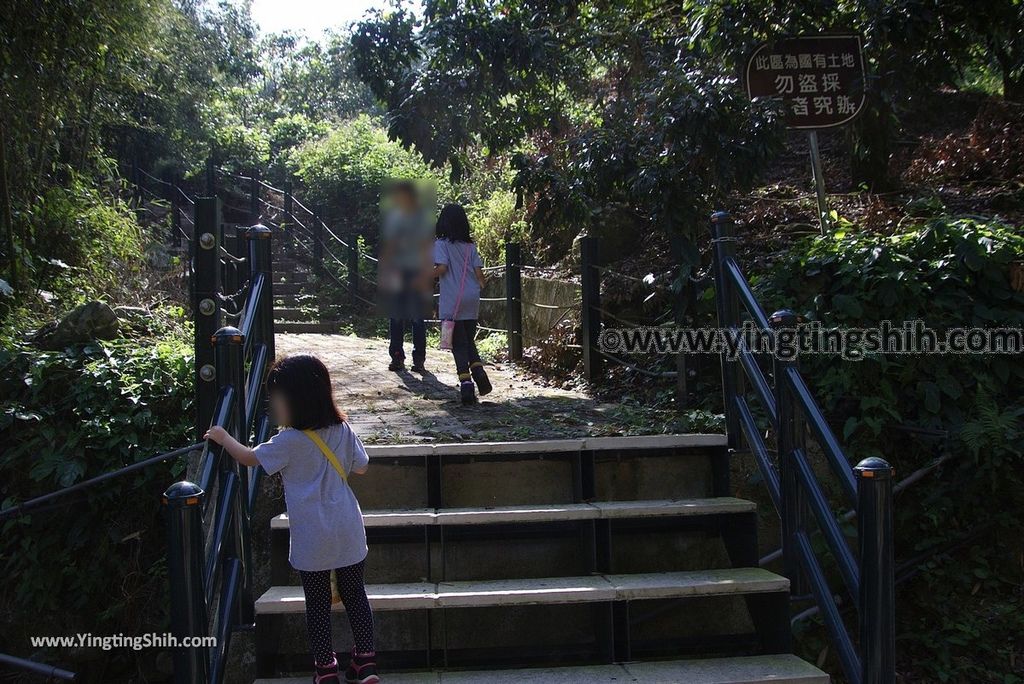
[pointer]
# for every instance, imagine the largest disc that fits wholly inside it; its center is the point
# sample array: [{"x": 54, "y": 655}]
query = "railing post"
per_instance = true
[
  {"x": 287, "y": 224},
  {"x": 353, "y": 265},
  {"x": 514, "y": 300},
  {"x": 243, "y": 269},
  {"x": 318, "y": 246},
  {"x": 229, "y": 271},
  {"x": 229, "y": 348},
  {"x": 261, "y": 261},
  {"x": 229, "y": 361},
  {"x": 211, "y": 178},
  {"x": 877, "y": 571},
  {"x": 590, "y": 280},
  {"x": 175, "y": 237},
  {"x": 205, "y": 306},
  {"x": 680, "y": 315},
  {"x": 728, "y": 319},
  {"x": 254, "y": 198},
  {"x": 789, "y": 438},
  {"x": 183, "y": 503}
]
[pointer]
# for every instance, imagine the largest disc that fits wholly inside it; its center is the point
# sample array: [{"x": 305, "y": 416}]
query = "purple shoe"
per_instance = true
[
  {"x": 362, "y": 669},
  {"x": 327, "y": 674}
]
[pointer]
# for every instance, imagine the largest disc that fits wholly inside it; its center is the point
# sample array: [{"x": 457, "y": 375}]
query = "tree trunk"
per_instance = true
[
  {"x": 5, "y": 207},
  {"x": 1013, "y": 88},
  {"x": 871, "y": 144}
]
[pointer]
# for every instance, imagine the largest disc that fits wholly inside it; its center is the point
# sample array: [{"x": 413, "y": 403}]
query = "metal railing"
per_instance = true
[
  {"x": 304, "y": 229},
  {"x": 209, "y": 555},
  {"x": 799, "y": 497}
]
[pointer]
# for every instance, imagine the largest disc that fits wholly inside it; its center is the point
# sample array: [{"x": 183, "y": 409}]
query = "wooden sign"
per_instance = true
[{"x": 819, "y": 78}]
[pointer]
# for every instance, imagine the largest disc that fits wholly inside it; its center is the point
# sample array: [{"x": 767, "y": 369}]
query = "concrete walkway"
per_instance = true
[{"x": 386, "y": 407}]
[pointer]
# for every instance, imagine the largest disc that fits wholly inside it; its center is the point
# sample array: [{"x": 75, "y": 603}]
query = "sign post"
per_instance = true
[
  {"x": 819, "y": 178},
  {"x": 820, "y": 80}
]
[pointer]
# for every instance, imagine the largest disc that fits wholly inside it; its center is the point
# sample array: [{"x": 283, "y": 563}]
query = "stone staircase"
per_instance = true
[
  {"x": 296, "y": 305},
  {"x": 613, "y": 559}
]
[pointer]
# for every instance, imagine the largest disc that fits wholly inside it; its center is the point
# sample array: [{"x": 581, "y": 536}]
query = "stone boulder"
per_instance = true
[{"x": 85, "y": 323}]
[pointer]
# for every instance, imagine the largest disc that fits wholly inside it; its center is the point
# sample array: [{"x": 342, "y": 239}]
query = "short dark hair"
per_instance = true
[
  {"x": 405, "y": 187},
  {"x": 453, "y": 224},
  {"x": 304, "y": 381}
]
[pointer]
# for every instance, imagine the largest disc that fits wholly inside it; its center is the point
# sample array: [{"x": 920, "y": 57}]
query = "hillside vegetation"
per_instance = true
[{"x": 548, "y": 121}]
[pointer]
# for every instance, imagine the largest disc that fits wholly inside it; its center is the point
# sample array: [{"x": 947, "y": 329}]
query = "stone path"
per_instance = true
[{"x": 388, "y": 407}]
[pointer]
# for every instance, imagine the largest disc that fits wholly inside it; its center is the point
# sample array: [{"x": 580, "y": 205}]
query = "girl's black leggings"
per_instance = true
[
  {"x": 464, "y": 347},
  {"x": 317, "y": 587}
]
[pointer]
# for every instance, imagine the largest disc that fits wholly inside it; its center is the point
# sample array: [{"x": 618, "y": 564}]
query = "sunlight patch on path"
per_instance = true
[{"x": 388, "y": 407}]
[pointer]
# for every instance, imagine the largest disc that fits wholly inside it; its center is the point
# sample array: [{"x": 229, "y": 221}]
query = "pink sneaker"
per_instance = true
[
  {"x": 327, "y": 674},
  {"x": 362, "y": 669}
]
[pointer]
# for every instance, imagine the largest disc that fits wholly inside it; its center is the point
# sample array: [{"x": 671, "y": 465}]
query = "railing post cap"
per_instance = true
[
  {"x": 785, "y": 318},
  {"x": 183, "y": 493},
  {"x": 228, "y": 335},
  {"x": 720, "y": 217},
  {"x": 873, "y": 467},
  {"x": 257, "y": 232}
]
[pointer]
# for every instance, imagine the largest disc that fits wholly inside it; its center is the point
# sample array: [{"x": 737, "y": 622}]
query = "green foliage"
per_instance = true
[
  {"x": 688, "y": 138},
  {"x": 240, "y": 146},
  {"x": 65, "y": 417},
  {"x": 289, "y": 132},
  {"x": 495, "y": 221},
  {"x": 93, "y": 247},
  {"x": 610, "y": 125},
  {"x": 958, "y": 531},
  {"x": 910, "y": 48},
  {"x": 314, "y": 79},
  {"x": 346, "y": 170}
]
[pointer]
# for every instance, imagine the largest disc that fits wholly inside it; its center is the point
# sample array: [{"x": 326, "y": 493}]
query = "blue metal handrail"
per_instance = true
[
  {"x": 209, "y": 551},
  {"x": 795, "y": 490}
]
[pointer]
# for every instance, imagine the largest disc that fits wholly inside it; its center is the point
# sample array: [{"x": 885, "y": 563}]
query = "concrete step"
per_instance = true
[
  {"x": 550, "y": 513},
  {"x": 542, "y": 472},
  {"x": 293, "y": 275},
  {"x": 291, "y": 289},
  {"x": 304, "y": 327},
  {"x": 293, "y": 300},
  {"x": 548, "y": 446},
  {"x": 765, "y": 669},
  {"x": 293, "y": 313},
  {"x": 543, "y": 591}
]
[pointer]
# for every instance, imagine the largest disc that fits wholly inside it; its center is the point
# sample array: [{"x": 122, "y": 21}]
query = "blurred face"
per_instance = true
[
  {"x": 279, "y": 409},
  {"x": 405, "y": 200}
]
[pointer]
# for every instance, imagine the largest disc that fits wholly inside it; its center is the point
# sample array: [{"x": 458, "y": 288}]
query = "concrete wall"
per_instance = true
[{"x": 536, "y": 321}]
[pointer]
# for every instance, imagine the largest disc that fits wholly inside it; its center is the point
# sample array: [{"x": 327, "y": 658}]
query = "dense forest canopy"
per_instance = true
[{"x": 613, "y": 116}]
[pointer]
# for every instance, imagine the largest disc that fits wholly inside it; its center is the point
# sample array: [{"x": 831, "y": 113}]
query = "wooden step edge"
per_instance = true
[
  {"x": 650, "y": 508},
  {"x": 549, "y": 446},
  {"x": 759, "y": 669},
  {"x": 546, "y": 591}
]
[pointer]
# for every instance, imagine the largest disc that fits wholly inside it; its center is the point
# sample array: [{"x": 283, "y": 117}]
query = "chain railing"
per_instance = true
[
  {"x": 348, "y": 266},
  {"x": 800, "y": 498}
]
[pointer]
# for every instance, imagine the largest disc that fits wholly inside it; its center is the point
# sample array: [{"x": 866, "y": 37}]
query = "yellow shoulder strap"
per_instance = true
[{"x": 327, "y": 452}]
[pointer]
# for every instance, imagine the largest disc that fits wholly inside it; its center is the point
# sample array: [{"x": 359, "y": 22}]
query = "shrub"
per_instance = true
[
  {"x": 345, "y": 171},
  {"x": 957, "y": 531},
  {"x": 990, "y": 151},
  {"x": 495, "y": 221},
  {"x": 83, "y": 244},
  {"x": 94, "y": 563}
]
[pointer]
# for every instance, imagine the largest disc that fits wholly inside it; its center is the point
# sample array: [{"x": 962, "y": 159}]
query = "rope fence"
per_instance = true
[{"x": 316, "y": 238}]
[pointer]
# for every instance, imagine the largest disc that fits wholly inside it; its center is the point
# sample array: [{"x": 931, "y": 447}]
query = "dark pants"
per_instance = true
[
  {"x": 407, "y": 305},
  {"x": 396, "y": 330},
  {"x": 464, "y": 347},
  {"x": 316, "y": 585}
]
